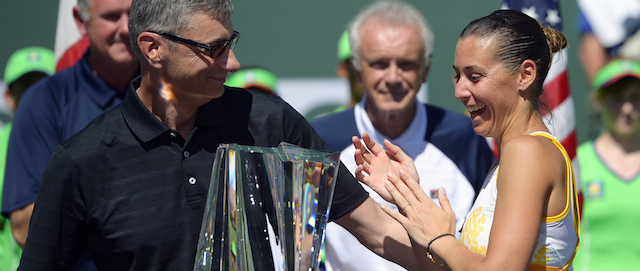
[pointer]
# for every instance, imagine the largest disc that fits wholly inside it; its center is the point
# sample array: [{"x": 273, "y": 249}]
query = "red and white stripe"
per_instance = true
[
  {"x": 561, "y": 122},
  {"x": 69, "y": 44}
]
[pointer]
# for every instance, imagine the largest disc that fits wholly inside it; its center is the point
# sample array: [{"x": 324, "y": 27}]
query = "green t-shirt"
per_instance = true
[
  {"x": 610, "y": 216},
  {"x": 10, "y": 252}
]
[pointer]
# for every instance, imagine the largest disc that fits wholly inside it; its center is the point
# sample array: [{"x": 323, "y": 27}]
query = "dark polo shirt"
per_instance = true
[{"x": 135, "y": 190}]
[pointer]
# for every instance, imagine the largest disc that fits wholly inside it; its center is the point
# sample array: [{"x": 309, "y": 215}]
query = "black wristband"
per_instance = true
[{"x": 429, "y": 255}]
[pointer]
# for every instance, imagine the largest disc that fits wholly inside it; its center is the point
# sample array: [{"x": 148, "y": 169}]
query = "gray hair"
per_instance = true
[
  {"x": 390, "y": 12},
  {"x": 84, "y": 9},
  {"x": 172, "y": 16}
]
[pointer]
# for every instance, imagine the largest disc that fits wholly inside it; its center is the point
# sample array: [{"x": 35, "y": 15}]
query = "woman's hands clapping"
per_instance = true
[
  {"x": 383, "y": 162},
  {"x": 393, "y": 175}
]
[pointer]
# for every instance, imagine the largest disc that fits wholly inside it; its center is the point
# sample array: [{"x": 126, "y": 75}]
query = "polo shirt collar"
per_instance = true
[
  {"x": 147, "y": 127},
  {"x": 411, "y": 141},
  {"x": 212, "y": 114},
  {"x": 95, "y": 87}
]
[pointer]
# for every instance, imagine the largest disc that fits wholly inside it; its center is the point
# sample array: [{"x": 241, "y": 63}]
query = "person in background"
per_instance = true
[
  {"x": 526, "y": 216},
  {"x": 608, "y": 30},
  {"x": 610, "y": 167},
  {"x": 255, "y": 78},
  {"x": 59, "y": 106},
  {"x": 25, "y": 67},
  {"x": 346, "y": 71},
  {"x": 391, "y": 45}
]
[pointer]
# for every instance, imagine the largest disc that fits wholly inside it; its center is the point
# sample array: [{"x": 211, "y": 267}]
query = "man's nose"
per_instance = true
[
  {"x": 393, "y": 73},
  {"x": 123, "y": 24},
  {"x": 231, "y": 64}
]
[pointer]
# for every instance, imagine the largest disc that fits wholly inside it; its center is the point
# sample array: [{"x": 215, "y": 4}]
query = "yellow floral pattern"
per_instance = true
[
  {"x": 557, "y": 237},
  {"x": 540, "y": 256},
  {"x": 473, "y": 226}
]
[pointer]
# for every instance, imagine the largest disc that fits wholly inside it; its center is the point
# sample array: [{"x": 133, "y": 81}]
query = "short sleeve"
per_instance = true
[
  {"x": 32, "y": 140},
  {"x": 57, "y": 234},
  {"x": 348, "y": 193}
]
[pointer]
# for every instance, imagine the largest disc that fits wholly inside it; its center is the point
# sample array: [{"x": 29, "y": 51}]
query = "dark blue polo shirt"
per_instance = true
[
  {"x": 135, "y": 190},
  {"x": 50, "y": 112}
]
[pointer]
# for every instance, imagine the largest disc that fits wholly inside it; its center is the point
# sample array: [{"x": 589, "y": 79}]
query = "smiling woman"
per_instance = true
[{"x": 526, "y": 215}]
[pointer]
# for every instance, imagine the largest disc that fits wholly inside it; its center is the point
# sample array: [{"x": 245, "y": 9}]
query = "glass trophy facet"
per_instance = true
[{"x": 267, "y": 208}]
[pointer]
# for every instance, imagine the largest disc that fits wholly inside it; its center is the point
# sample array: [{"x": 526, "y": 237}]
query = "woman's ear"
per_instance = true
[
  {"x": 528, "y": 73},
  {"x": 150, "y": 45}
]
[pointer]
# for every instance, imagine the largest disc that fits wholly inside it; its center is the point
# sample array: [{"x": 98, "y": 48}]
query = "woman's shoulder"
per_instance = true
[
  {"x": 533, "y": 145},
  {"x": 532, "y": 155},
  {"x": 527, "y": 145}
]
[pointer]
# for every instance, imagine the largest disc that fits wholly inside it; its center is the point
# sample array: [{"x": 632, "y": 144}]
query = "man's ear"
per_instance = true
[
  {"x": 357, "y": 73},
  {"x": 150, "y": 45},
  {"x": 427, "y": 66},
  {"x": 79, "y": 21}
]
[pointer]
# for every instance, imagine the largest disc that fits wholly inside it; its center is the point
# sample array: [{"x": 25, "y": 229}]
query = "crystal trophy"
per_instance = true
[{"x": 267, "y": 208}]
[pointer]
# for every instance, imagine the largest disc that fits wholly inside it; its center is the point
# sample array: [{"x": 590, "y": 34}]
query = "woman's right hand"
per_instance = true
[
  {"x": 378, "y": 164},
  {"x": 418, "y": 214}
]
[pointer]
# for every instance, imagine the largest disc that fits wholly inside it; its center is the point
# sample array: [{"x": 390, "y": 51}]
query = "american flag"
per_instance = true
[{"x": 561, "y": 122}]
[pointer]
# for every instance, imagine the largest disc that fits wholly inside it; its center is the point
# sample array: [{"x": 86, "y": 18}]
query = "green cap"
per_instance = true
[
  {"x": 614, "y": 71},
  {"x": 344, "y": 49},
  {"x": 253, "y": 77},
  {"x": 30, "y": 59}
]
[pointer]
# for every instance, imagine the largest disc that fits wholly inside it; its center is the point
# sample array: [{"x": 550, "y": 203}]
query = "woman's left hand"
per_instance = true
[
  {"x": 418, "y": 214},
  {"x": 377, "y": 163}
]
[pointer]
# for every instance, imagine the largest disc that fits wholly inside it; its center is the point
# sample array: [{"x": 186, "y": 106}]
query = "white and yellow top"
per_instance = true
[{"x": 558, "y": 236}]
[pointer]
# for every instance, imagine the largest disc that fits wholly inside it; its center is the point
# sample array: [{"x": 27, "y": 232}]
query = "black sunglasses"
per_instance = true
[{"x": 215, "y": 50}]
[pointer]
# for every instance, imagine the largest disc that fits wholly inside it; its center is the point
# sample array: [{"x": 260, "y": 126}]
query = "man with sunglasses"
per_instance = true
[
  {"x": 133, "y": 184},
  {"x": 61, "y": 105}
]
